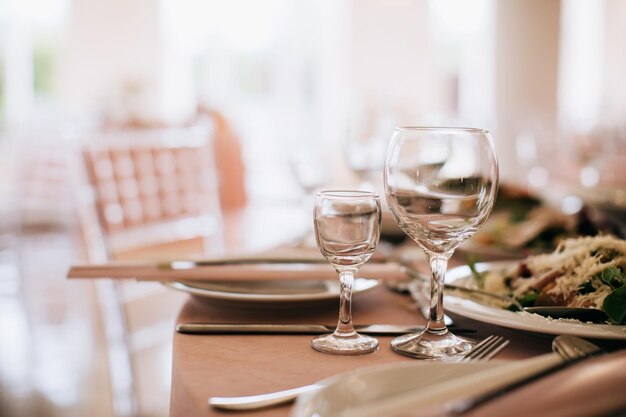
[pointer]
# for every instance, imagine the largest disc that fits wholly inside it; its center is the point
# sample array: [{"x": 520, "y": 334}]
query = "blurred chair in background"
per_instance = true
[
  {"x": 142, "y": 191},
  {"x": 152, "y": 187},
  {"x": 228, "y": 159},
  {"x": 9, "y": 214},
  {"x": 42, "y": 195}
]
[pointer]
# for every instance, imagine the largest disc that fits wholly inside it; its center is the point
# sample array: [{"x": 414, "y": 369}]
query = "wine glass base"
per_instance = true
[
  {"x": 356, "y": 344},
  {"x": 431, "y": 345}
]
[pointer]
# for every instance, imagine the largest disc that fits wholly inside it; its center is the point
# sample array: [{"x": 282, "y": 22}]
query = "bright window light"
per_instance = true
[{"x": 581, "y": 64}]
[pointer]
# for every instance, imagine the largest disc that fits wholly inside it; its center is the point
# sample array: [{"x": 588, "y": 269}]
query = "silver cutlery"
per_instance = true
[
  {"x": 484, "y": 350},
  {"x": 237, "y": 328},
  {"x": 419, "y": 278},
  {"x": 255, "y": 402},
  {"x": 190, "y": 264},
  {"x": 252, "y": 260},
  {"x": 571, "y": 349}
]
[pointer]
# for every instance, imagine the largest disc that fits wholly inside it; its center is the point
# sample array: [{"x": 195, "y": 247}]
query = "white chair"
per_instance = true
[{"x": 139, "y": 191}]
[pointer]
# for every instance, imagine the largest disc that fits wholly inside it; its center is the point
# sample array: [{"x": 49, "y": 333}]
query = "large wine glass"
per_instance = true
[
  {"x": 347, "y": 229},
  {"x": 440, "y": 185}
]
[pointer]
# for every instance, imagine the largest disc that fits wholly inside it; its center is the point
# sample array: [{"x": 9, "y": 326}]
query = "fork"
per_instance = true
[{"x": 484, "y": 350}]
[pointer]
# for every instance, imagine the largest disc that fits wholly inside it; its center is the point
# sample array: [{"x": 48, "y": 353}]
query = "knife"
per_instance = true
[
  {"x": 250, "y": 260},
  {"x": 190, "y": 264},
  {"x": 413, "y": 273},
  {"x": 223, "y": 328}
]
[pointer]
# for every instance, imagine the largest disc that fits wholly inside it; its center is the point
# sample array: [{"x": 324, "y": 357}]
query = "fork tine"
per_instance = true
[
  {"x": 560, "y": 349},
  {"x": 494, "y": 344},
  {"x": 486, "y": 349},
  {"x": 503, "y": 343},
  {"x": 477, "y": 348},
  {"x": 479, "y": 353}
]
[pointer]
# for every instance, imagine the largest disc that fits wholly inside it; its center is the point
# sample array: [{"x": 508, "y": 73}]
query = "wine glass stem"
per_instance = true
[
  {"x": 438, "y": 266},
  {"x": 344, "y": 325}
]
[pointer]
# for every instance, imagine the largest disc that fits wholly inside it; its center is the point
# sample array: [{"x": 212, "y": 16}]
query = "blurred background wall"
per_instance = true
[
  {"x": 287, "y": 72},
  {"x": 297, "y": 66}
]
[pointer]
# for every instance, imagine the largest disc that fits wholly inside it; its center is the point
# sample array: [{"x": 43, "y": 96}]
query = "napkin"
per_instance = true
[
  {"x": 256, "y": 267},
  {"x": 590, "y": 388}
]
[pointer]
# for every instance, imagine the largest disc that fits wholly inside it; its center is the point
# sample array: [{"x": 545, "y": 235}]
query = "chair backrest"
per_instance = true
[
  {"x": 140, "y": 189},
  {"x": 150, "y": 187},
  {"x": 229, "y": 162}
]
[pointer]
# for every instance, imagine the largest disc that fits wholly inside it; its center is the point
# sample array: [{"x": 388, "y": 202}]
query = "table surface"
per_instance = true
[{"x": 234, "y": 365}]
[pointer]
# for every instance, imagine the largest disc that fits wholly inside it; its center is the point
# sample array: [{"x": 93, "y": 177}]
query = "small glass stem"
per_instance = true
[
  {"x": 438, "y": 266},
  {"x": 344, "y": 325}
]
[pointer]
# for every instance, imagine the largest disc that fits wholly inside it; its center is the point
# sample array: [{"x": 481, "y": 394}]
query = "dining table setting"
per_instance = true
[{"x": 449, "y": 293}]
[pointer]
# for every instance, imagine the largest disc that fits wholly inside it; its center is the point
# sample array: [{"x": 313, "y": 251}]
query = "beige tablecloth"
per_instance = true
[{"x": 233, "y": 365}]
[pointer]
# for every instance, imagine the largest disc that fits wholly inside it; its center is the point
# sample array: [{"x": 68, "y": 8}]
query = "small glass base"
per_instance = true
[
  {"x": 355, "y": 344},
  {"x": 431, "y": 345}
]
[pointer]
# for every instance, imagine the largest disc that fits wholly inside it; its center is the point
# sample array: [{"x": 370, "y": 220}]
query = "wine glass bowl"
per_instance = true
[
  {"x": 347, "y": 230},
  {"x": 440, "y": 185}
]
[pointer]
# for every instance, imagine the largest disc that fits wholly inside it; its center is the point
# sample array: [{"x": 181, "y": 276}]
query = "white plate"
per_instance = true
[
  {"x": 368, "y": 385},
  {"x": 270, "y": 293},
  {"x": 407, "y": 387},
  {"x": 521, "y": 321}
]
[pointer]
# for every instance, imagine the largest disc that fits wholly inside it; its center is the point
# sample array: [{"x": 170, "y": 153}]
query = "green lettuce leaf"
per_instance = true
[
  {"x": 615, "y": 305},
  {"x": 612, "y": 276},
  {"x": 529, "y": 299},
  {"x": 478, "y": 277}
]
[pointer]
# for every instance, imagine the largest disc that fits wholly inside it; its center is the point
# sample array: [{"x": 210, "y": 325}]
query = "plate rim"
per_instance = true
[
  {"x": 270, "y": 298},
  {"x": 531, "y": 323}
]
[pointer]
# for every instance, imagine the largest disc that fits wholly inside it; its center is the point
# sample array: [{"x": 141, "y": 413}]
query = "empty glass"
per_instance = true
[
  {"x": 311, "y": 170},
  {"x": 440, "y": 185},
  {"x": 347, "y": 229},
  {"x": 365, "y": 144}
]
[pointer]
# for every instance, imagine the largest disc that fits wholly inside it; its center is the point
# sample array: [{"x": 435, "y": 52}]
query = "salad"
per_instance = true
[{"x": 582, "y": 272}]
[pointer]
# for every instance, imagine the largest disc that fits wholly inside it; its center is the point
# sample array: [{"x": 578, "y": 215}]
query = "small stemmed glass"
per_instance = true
[
  {"x": 347, "y": 230},
  {"x": 440, "y": 185}
]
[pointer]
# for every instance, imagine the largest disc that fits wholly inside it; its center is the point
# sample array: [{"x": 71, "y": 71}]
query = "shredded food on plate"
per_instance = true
[{"x": 581, "y": 272}]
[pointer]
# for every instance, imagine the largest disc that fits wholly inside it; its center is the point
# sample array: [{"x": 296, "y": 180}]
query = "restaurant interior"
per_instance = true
[{"x": 168, "y": 164}]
